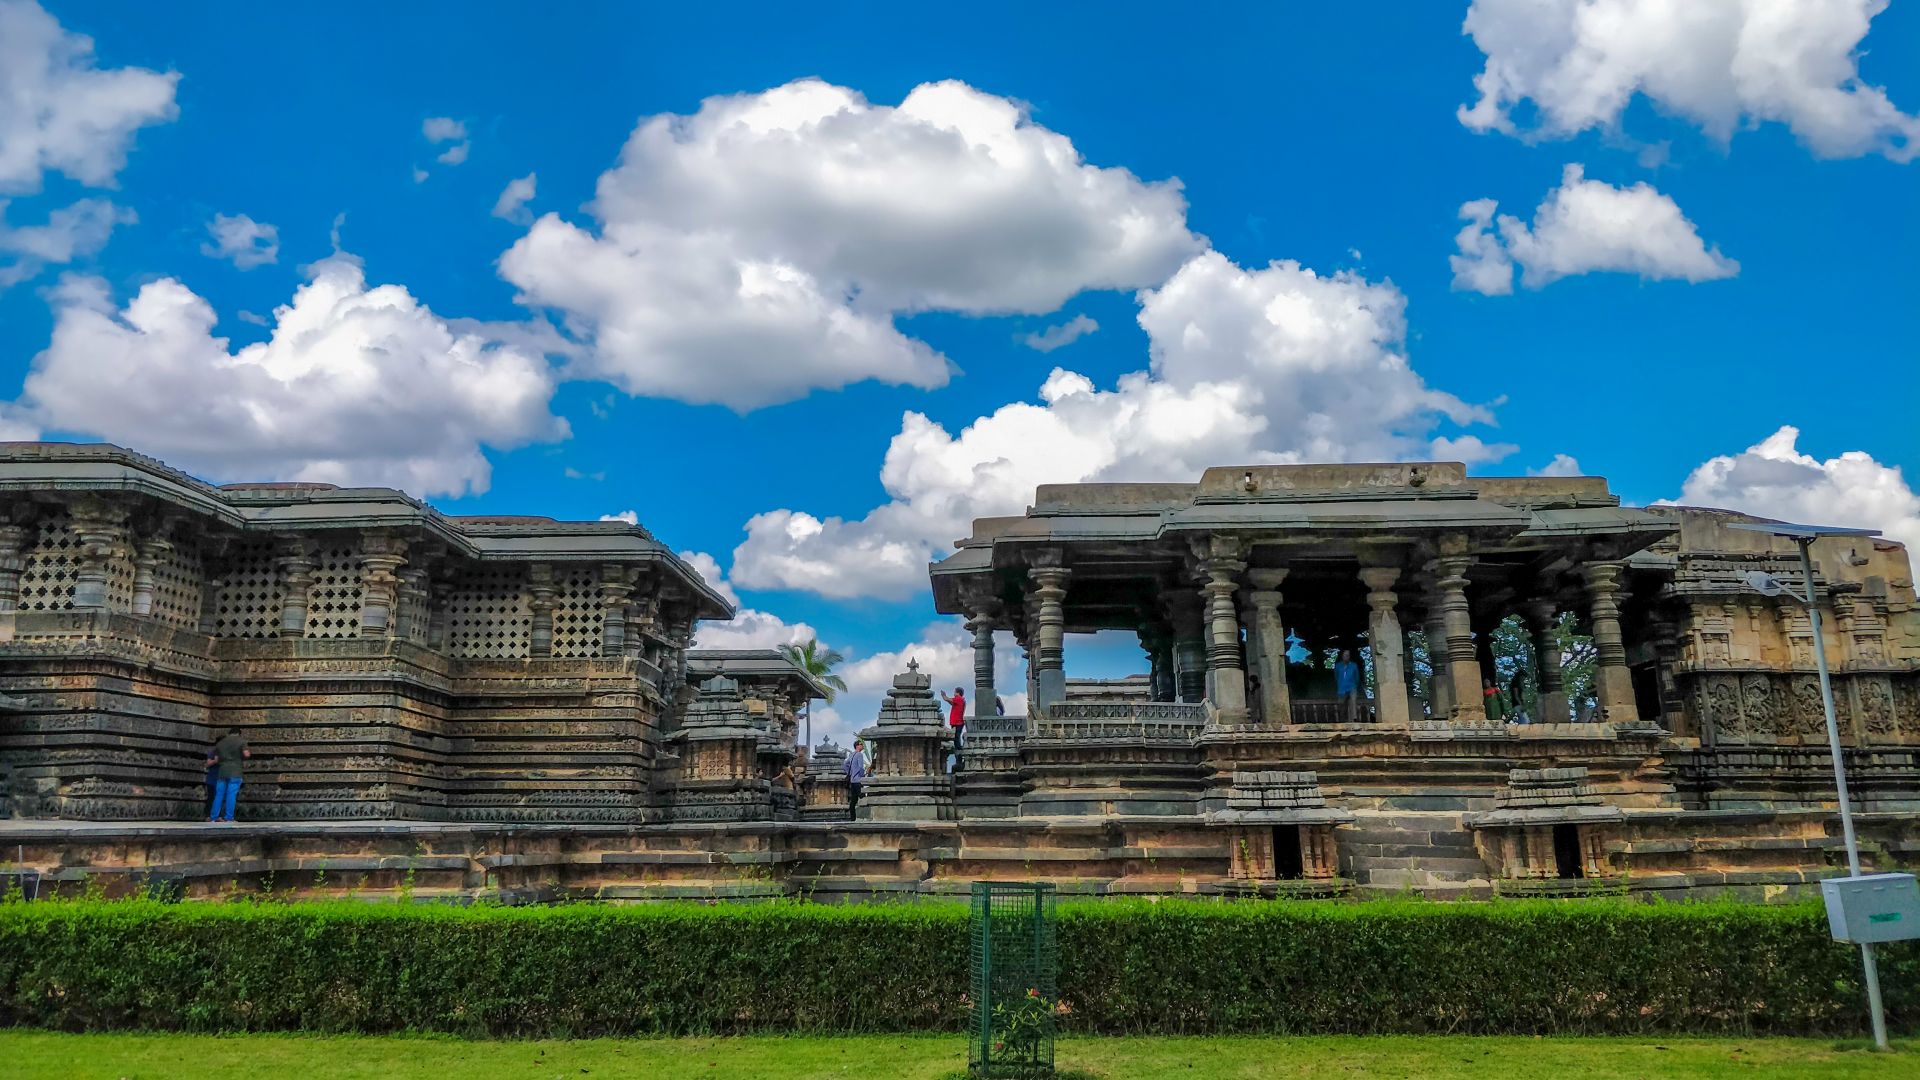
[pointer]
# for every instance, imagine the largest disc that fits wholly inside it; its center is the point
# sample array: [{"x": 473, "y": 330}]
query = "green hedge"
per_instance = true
[{"x": 1126, "y": 966}]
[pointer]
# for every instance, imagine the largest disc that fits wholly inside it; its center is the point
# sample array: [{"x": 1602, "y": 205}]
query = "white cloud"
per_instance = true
[
  {"x": 1561, "y": 465},
  {"x": 1774, "y": 479},
  {"x": 60, "y": 113},
  {"x": 1272, "y": 365},
  {"x": 1583, "y": 226},
  {"x": 70, "y": 233},
  {"x": 1053, "y": 337},
  {"x": 631, "y": 517},
  {"x": 355, "y": 385},
  {"x": 749, "y": 628},
  {"x": 439, "y": 129},
  {"x": 247, "y": 242},
  {"x": 761, "y": 247},
  {"x": 512, "y": 204},
  {"x": 455, "y": 154},
  {"x": 1721, "y": 64},
  {"x": 420, "y": 175}
]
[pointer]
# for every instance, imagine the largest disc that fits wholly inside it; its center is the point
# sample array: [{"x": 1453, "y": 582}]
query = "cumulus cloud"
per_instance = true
[
  {"x": 247, "y": 242},
  {"x": 1270, "y": 365},
  {"x": 1721, "y": 64},
  {"x": 761, "y": 247},
  {"x": 512, "y": 203},
  {"x": 1583, "y": 226},
  {"x": 1561, "y": 465},
  {"x": 444, "y": 129},
  {"x": 1066, "y": 333},
  {"x": 354, "y": 385},
  {"x": 60, "y": 113},
  {"x": 72, "y": 232},
  {"x": 749, "y": 628},
  {"x": 1774, "y": 479},
  {"x": 439, "y": 129}
]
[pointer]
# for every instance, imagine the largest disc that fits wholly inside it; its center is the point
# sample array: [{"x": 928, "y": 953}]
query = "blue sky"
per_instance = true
[{"x": 1755, "y": 281}]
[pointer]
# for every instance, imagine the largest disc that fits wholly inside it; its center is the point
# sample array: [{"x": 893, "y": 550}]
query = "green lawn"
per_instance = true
[{"x": 202, "y": 1057}]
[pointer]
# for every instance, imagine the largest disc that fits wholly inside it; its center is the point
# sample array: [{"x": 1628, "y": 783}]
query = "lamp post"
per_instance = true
[{"x": 1767, "y": 585}]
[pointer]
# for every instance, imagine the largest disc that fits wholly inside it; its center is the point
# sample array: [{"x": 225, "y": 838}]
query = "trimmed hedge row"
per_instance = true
[{"x": 1126, "y": 967}]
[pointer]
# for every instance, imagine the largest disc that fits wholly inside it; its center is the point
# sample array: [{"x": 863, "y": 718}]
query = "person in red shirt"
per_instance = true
[{"x": 956, "y": 711}]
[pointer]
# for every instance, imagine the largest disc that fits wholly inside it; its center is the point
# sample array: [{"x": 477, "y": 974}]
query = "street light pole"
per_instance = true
[{"x": 1867, "y": 960}]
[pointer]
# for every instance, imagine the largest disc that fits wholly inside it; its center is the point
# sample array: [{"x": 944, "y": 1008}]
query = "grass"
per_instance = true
[{"x": 54, "y": 1056}]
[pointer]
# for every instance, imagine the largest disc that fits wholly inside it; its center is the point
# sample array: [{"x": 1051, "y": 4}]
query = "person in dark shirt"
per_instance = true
[
  {"x": 225, "y": 759},
  {"x": 1346, "y": 680}
]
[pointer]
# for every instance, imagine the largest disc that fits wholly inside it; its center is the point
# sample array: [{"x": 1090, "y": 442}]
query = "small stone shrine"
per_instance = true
[
  {"x": 1280, "y": 830},
  {"x": 824, "y": 792},
  {"x": 910, "y": 741}
]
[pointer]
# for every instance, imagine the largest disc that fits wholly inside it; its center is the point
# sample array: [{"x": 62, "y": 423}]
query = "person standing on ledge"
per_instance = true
[
  {"x": 1346, "y": 683},
  {"x": 956, "y": 712},
  {"x": 856, "y": 775},
  {"x": 1496, "y": 701},
  {"x": 226, "y": 758}
]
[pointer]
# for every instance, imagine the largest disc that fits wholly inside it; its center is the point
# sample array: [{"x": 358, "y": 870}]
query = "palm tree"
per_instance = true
[{"x": 818, "y": 662}]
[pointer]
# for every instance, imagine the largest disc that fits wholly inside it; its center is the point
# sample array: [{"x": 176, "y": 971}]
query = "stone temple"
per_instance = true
[{"x": 511, "y": 707}]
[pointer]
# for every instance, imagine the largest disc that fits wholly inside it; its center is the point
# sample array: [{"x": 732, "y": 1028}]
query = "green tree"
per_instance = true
[{"x": 817, "y": 661}]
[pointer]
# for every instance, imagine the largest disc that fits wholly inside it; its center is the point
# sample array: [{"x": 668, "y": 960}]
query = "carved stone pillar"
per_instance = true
[
  {"x": 102, "y": 531},
  {"x": 1384, "y": 639},
  {"x": 1269, "y": 634},
  {"x": 1612, "y": 681},
  {"x": 984, "y": 694},
  {"x": 1226, "y": 679},
  {"x": 642, "y": 626},
  {"x": 1188, "y": 614},
  {"x": 13, "y": 543},
  {"x": 296, "y": 573},
  {"x": 540, "y": 584},
  {"x": 1158, "y": 645},
  {"x": 1049, "y": 586},
  {"x": 1439, "y": 676},
  {"x": 1543, "y": 618},
  {"x": 1463, "y": 664},
  {"x": 151, "y": 551},
  {"x": 381, "y": 559},
  {"x": 413, "y": 622},
  {"x": 615, "y": 590}
]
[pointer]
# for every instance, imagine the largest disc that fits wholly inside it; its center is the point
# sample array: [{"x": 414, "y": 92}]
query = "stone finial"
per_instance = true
[{"x": 912, "y": 678}]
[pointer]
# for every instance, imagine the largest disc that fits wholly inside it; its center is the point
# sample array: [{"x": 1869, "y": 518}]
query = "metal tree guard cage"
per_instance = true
[{"x": 1016, "y": 960}]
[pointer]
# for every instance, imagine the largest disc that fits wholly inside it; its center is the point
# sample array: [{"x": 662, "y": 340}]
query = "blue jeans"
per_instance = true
[{"x": 225, "y": 792}]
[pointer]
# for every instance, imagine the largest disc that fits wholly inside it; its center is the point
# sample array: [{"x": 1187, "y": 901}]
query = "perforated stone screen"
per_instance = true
[
  {"x": 252, "y": 595},
  {"x": 333, "y": 600},
  {"x": 488, "y": 614},
  {"x": 51, "y": 566},
  {"x": 578, "y": 619},
  {"x": 177, "y": 586}
]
